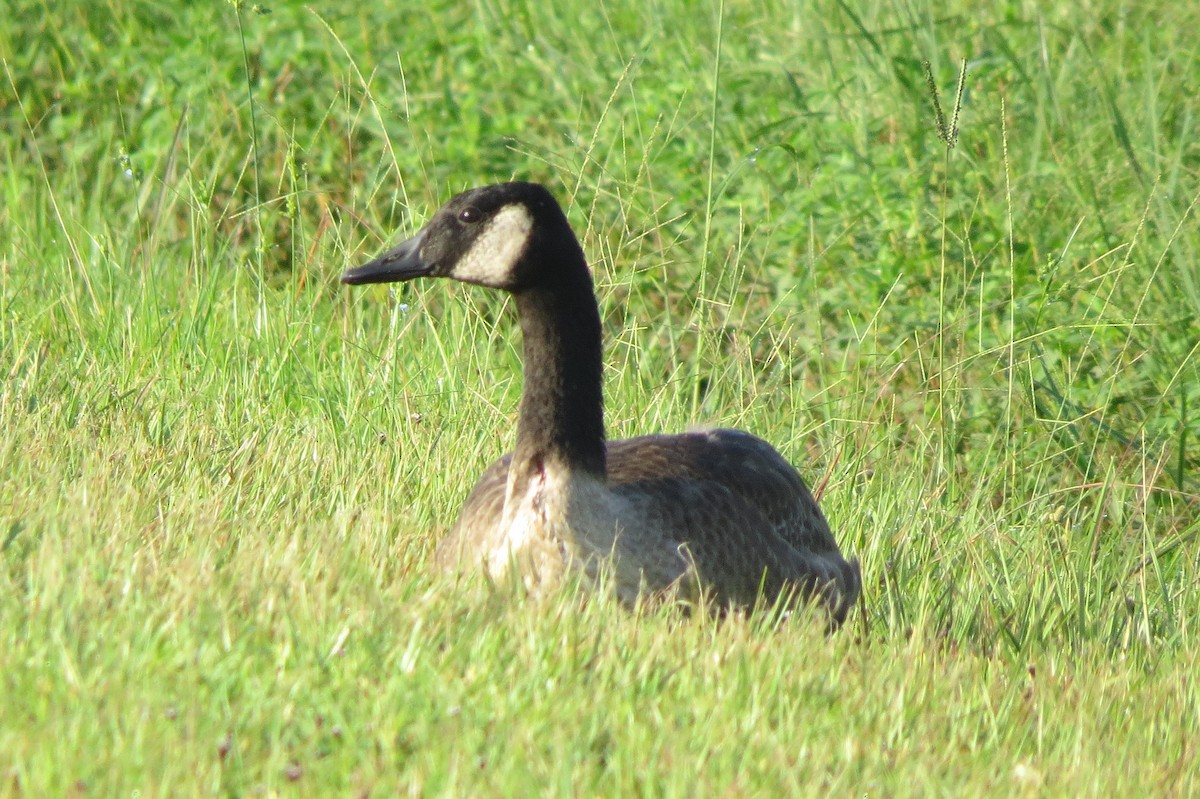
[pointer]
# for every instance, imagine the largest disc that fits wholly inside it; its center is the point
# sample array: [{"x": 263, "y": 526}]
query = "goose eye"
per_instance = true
[{"x": 470, "y": 215}]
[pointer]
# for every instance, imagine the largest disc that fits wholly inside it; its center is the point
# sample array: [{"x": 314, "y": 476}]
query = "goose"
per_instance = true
[{"x": 718, "y": 517}]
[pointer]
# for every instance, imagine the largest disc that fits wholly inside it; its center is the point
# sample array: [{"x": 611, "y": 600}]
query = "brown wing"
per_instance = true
[
  {"x": 746, "y": 518},
  {"x": 748, "y": 467},
  {"x": 734, "y": 505}
]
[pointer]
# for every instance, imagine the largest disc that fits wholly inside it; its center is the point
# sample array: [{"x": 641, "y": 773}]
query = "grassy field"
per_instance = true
[{"x": 221, "y": 473}]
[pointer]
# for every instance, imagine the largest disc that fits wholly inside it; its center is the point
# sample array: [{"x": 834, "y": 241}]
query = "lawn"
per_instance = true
[{"x": 975, "y": 330}]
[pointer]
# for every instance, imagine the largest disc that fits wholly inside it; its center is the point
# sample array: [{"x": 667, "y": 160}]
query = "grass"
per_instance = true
[{"x": 221, "y": 474}]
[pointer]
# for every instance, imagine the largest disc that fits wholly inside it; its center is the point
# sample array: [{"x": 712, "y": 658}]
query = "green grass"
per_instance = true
[{"x": 221, "y": 474}]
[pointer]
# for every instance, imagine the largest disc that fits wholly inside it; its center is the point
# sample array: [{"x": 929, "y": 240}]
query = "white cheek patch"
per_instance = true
[{"x": 495, "y": 252}]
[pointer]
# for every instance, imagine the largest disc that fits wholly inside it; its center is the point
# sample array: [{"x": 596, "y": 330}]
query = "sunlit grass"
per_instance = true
[{"x": 222, "y": 474}]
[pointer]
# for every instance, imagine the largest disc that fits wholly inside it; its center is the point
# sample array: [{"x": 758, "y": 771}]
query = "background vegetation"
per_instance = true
[{"x": 221, "y": 473}]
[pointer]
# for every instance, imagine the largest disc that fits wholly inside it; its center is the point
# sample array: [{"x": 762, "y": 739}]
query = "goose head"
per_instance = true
[{"x": 508, "y": 236}]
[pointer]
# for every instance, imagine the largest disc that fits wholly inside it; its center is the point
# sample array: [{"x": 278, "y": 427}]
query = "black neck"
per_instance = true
[{"x": 562, "y": 413}]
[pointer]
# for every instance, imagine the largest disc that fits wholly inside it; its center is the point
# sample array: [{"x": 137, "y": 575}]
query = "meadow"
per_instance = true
[{"x": 222, "y": 473}]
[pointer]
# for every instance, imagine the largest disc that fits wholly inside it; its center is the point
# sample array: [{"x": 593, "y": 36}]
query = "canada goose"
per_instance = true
[{"x": 718, "y": 514}]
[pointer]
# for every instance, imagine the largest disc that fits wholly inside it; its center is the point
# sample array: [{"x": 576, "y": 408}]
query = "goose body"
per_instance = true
[{"x": 716, "y": 514}]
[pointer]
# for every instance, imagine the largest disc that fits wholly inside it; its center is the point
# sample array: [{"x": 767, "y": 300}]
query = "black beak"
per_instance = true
[{"x": 402, "y": 262}]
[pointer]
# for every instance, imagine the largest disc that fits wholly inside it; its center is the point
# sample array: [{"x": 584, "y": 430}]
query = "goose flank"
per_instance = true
[{"x": 718, "y": 515}]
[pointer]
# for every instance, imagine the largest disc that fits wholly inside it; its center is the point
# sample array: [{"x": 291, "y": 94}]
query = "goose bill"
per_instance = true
[{"x": 402, "y": 262}]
